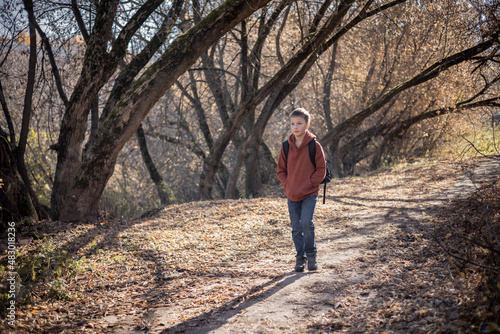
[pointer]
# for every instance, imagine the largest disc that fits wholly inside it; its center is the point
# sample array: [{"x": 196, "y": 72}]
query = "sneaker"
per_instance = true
[
  {"x": 300, "y": 263},
  {"x": 311, "y": 262}
]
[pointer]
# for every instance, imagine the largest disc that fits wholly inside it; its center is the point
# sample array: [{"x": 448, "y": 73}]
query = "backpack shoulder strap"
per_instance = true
[
  {"x": 286, "y": 148},
  {"x": 312, "y": 151}
]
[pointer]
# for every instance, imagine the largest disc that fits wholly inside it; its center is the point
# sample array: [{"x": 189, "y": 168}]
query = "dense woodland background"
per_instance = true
[
  {"x": 113, "y": 109},
  {"x": 126, "y": 106}
]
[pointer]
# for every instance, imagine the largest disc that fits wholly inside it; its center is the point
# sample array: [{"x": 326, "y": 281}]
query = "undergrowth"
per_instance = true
[
  {"x": 45, "y": 264},
  {"x": 469, "y": 232}
]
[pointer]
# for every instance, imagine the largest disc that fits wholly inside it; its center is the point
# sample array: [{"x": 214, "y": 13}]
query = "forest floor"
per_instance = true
[{"x": 227, "y": 266}]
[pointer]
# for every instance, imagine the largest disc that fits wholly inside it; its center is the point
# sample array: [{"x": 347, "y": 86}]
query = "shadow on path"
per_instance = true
[{"x": 219, "y": 316}]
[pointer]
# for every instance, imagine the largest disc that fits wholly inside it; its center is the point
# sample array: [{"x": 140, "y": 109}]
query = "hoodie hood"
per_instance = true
[{"x": 307, "y": 138}]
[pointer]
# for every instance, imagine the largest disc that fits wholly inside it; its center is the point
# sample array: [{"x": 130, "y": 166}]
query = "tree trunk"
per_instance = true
[
  {"x": 165, "y": 194},
  {"x": 268, "y": 165},
  {"x": 81, "y": 202},
  {"x": 20, "y": 150},
  {"x": 98, "y": 67},
  {"x": 15, "y": 199},
  {"x": 253, "y": 179},
  {"x": 96, "y": 70},
  {"x": 336, "y": 155}
]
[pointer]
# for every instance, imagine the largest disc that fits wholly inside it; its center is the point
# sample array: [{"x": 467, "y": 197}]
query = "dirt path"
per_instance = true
[
  {"x": 300, "y": 302},
  {"x": 379, "y": 269}
]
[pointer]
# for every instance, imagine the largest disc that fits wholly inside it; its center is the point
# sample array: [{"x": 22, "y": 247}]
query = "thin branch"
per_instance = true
[
  {"x": 478, "y": 151},
  {"x": 52, "y": 60},
  {"x": 462, "y": 259},
  {"x": 477, "y": 243},
  {"x": 8, "y": 118}
]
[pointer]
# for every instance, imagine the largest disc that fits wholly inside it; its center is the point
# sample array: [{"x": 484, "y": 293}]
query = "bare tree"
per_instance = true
[
  {"x": 18, "y": 197},
  {"x": 284, "y": 81},
  {"x": 79, "y": 182}
]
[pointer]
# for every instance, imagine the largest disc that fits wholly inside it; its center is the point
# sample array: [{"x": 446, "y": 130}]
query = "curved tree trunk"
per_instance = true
[
  {"x": 96, "y": 70},
  {"x": 98, "y": 67},
  {"x": 81, "y": 201}
]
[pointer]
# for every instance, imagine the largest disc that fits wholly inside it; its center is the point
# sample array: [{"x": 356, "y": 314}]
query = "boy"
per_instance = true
[{"x": 301, "y": 182}]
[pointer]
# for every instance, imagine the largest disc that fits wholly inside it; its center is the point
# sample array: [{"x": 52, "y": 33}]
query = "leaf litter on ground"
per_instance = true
[{"x": 202, "y": 257}]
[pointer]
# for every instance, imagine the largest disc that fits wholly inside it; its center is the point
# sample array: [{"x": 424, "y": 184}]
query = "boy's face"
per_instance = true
[{"x": 299, "y": 126}]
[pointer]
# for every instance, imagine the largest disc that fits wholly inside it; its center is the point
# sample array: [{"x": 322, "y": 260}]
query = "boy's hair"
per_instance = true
[{"x": 301, "y": 112}]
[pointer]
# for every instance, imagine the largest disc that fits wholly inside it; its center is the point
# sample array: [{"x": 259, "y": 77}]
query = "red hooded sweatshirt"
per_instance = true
[{"x": 297, "y": 173}]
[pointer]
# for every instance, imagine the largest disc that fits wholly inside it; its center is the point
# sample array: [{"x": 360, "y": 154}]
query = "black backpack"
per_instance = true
[{"x": 312, "y": 156}]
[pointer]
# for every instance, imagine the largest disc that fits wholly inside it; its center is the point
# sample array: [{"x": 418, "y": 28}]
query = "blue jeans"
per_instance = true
[{"x": 301, "y": 218}]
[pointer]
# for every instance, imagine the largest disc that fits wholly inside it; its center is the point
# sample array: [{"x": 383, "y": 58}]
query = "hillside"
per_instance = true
[{"x": 226, "y": 266}]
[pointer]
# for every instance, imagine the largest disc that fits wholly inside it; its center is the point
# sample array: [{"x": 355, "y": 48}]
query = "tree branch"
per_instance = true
[
  {"x": 8, "y": 118},
  {"x": 426, "y": 75},
  {"x": 53, "y": 65},
  {"x": 79, "y": 20}
]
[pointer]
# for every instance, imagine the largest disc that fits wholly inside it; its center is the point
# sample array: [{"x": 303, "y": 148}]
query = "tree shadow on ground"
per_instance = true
[{"x": 217, "y": 317}]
